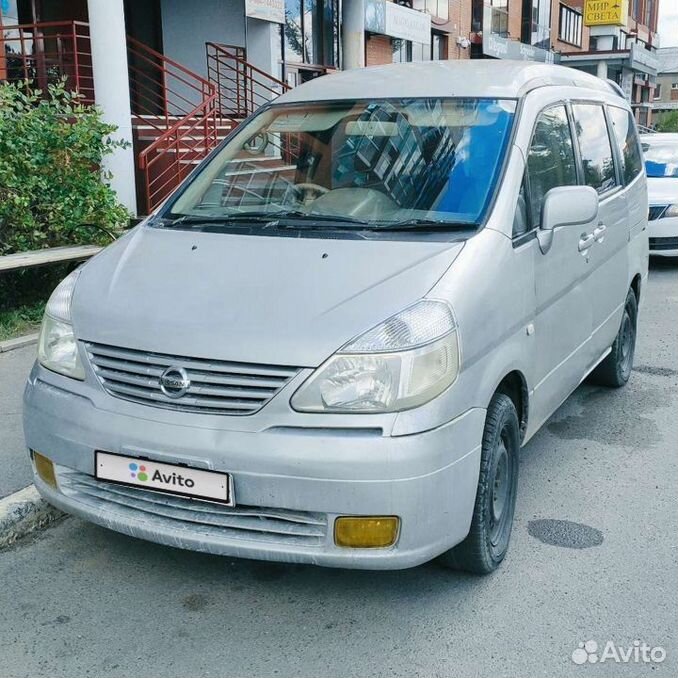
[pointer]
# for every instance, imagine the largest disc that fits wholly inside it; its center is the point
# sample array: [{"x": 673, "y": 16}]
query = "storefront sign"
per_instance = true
[
  {"x": 266, "y": 10},
  {"x": 502, "y": 48},
  {"x": 387, "y": 18},
  {"x": 606, "y": 12}
]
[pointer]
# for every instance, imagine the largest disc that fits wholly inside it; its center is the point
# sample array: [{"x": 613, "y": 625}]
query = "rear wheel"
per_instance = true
[
  {"x": 615, "y": 370},
  {"x": 487, "y": 542}
]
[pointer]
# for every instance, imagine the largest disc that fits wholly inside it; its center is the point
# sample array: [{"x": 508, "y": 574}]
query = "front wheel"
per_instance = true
[
  {"x": 615, "y": 370},
  {"x": 487, "y": 542}
]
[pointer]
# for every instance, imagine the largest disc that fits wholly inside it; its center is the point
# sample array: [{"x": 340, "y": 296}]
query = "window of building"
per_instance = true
[
  {"x": 627, "y": 141},
  {"x": 437, "y": 8},
  {"x": 658, "y": 91},
  {"x": 406, "y": 51},
  {"x": 674, "y": 85},
  {"x": 312, "y": 32},
  {"x": 550, "y": 160},
  {"x": 536, "y": 23},
  {"x": 438, "y": 46},
  {"x": 594, "y": 147},
  {"x": 499, "y": 16},
  {"x": 570, "y": 26}
]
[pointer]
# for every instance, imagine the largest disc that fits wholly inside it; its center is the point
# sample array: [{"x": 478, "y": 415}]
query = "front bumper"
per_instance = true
[
  {"x": 290, "y": 484},
  {"x": 664, "y": 237}
]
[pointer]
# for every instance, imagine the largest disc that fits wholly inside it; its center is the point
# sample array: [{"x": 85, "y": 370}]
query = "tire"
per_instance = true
[
  {"x": 615, "y": 370},
  {"x": 487, "y": 542}
]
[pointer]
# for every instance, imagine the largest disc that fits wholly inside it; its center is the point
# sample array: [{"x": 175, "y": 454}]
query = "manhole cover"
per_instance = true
[{"x": 565, "y": 533}]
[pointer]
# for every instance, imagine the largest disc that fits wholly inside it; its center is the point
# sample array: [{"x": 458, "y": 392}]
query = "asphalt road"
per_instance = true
[
  {"x": 15, "y": 471},
  {"x": 79, "y": 600}
]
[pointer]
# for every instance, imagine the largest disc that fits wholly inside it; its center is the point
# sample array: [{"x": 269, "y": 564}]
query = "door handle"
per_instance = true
[
  {"x": 599, "y": 232},
  {"x": 586, "y": 241}
]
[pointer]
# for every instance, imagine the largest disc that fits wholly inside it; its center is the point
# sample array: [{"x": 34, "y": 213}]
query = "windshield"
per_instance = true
[
  {"x": 661, "y": 157},
  {"x": 367, "y": 162}
]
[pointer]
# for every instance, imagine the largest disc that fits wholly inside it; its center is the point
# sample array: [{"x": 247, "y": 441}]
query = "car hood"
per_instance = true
[
  {"x": 275, "y": 300},
  {"x": 662, "y": 190}
]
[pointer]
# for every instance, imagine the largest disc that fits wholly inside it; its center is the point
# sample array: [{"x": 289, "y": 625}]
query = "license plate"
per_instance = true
[{"x": 168, "y": 478}]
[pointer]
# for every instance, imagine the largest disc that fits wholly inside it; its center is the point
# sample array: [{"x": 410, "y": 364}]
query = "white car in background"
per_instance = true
[{"x": 661, "y": 163}]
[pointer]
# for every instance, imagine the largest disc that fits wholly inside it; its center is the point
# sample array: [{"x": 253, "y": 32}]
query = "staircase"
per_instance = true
[{"x": 178, "y": 117}]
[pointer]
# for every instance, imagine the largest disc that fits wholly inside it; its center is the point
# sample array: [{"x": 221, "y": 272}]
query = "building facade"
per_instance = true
[
  {"x": 176, "y": 77},
  {"x": 615, "y": 39},
  {"x": 665, "y": 96}
]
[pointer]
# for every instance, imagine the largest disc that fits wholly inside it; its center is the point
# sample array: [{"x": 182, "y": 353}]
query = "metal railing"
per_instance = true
[
  {"x": 43, "y": 53},
  {"x": 176, "y": 118},
  {"x": 242, "y": 87}
]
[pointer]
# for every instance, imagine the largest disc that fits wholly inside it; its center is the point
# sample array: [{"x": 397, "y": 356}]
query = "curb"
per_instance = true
[
  {"x": 19, "y": 342},
  {"x": 24, "y": 512}
]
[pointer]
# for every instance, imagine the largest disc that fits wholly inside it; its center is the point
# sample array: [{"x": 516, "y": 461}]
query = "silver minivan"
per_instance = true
[{"x": 329, "y": 345}]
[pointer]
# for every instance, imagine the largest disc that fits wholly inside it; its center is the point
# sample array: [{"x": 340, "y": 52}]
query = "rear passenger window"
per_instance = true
[
  {"x": 550, "y": 161},
  {"x": 627, "y": 140},
  {"x": 594, "y": 146}
]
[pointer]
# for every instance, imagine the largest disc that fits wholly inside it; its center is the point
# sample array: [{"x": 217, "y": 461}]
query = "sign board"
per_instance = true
[
  {"x": 496, "y": 46},
  {"x": 266, "y": 10},
  {"x": 606, "y": 12},
  {"x": 387, "y": 18}
]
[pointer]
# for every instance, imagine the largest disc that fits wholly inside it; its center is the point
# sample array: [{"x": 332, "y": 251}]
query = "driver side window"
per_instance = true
[{"x": 551, "y": 160}]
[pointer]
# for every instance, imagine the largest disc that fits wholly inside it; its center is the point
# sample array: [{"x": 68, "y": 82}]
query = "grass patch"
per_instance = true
[{"x": 21, "y": 321}]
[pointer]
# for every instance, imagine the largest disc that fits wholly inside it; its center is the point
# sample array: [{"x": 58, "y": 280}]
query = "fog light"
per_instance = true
[
  {"x": 366, "y": 532},
  {"x": 45, "y": 469}
]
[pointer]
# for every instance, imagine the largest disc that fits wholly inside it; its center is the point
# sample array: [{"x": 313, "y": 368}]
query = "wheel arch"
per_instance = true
[
  {"x": 635, "y": 286},
  {"x": 514, "y": 385}
]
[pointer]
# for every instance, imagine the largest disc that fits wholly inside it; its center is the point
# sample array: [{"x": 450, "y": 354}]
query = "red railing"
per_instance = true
[
  {"x": 44, "y": 53},
  {"x": 241, "y": 86},
  {"x": 174, "y": 154},
  {"x": 176, "y": 118}
]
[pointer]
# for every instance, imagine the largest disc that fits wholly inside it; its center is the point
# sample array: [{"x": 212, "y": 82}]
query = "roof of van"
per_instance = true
[{"x": 493, "y": 78}]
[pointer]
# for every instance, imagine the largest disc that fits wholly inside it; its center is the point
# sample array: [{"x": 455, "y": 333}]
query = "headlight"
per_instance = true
[
  {"x": 402, "y": 363},
  {"x": 671, "y": 211},
  {"x": 57, "y": 347}
]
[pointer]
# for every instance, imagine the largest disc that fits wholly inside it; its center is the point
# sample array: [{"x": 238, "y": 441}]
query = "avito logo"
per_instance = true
[
  {"x": 143, "y": 474},
  {"x": 138, "y": 471}
]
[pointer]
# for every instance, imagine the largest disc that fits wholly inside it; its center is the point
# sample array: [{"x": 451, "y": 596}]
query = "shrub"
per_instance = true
[
  {"x": 668, "y": 122},
  {"x": 52, "y": 191}
]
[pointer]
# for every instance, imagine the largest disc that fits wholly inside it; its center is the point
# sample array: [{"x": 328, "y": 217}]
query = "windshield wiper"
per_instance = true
[
  {"x": 282, "y": 219},
  {"x": 426, "y": 225},
  {"x": 226, "y": 219}
]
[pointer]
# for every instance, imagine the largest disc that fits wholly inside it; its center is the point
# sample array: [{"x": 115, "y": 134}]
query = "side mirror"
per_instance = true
[{"x": 566, "y": 206}]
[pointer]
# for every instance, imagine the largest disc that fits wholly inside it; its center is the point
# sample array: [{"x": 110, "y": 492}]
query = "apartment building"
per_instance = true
[{"x": 665, "y": 97}]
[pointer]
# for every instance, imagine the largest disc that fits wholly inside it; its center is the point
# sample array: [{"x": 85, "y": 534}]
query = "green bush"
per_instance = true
[
  {"x": 52, "y": 191},
  {"x": 668, "y": 122}
]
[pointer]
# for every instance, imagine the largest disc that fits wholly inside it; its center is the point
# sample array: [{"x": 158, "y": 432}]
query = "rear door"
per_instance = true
[
  {"x": 608, "y": 255},
  {"x": 563, "y": 319}
]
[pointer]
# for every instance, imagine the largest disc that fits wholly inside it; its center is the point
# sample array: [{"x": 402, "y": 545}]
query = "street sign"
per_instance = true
[{"x": 606, "y": 12}]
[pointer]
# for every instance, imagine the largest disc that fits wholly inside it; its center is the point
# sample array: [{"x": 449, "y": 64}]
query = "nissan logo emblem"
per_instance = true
[{"x": 174, "y": 382}]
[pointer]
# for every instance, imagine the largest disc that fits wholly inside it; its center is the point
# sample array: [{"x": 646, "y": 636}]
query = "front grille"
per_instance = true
[
  {"x": 216, "y": 387},
  {"x": 656, "y": 212},
  {"x": 210, "y": 519},
  {"x": 663, "y": 244}
]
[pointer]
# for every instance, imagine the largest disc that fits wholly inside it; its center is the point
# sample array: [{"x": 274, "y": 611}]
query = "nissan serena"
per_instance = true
[{"x": 330, "y": 343}]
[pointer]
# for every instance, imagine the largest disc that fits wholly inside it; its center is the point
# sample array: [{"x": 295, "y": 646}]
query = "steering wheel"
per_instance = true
[{"x": 305, "y": 188}]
